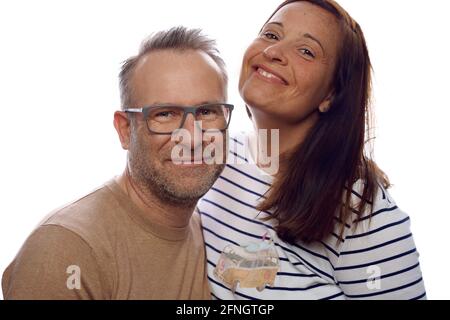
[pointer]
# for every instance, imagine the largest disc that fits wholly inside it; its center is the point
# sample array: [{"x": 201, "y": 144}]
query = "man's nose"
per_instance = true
[
  {"x": 276, "y": 53},
  {"x": 194, "y": 129}
]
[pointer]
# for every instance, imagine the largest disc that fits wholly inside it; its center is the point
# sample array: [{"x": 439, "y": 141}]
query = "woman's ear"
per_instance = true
[{"x": 325, "y": 106}]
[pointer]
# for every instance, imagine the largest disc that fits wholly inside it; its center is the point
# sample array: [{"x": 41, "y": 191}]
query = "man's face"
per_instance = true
[{"x": 185, "y": 78}]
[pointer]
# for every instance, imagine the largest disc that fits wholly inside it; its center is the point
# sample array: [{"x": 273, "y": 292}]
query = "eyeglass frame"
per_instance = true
[{"x": 186, "y": 110}]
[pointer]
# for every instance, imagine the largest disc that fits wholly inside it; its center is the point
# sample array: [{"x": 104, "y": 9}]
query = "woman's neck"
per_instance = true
[{"x": 290, "y": 135}]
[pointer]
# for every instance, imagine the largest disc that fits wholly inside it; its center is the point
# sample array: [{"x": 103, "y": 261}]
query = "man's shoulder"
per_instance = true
[
  {"x": 89, "y": 215},
  {"x": 53, "y": 251}
]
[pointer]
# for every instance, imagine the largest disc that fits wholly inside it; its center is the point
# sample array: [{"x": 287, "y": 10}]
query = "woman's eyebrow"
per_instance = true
[
  {"x": 305, "y": 35},
  {"x": 309, "y": 36},
  {"x": 276, "y": 23}
]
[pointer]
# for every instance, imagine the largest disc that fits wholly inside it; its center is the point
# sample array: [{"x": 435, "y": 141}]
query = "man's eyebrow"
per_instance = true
[
  {"x": 167, "y": 104},
  {"x": 305, "y": 35},
  {"x": 212, "y": 102}
]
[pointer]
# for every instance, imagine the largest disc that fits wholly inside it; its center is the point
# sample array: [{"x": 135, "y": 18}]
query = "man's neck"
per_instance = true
[{"x": 162, "y": 213}]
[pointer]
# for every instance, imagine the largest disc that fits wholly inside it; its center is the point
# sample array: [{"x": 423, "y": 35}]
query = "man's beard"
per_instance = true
[{"x": 172, "y": 185}]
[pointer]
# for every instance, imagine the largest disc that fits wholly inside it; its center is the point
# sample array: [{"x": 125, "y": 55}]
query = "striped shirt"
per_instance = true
[{"x": 377, "y": 259}]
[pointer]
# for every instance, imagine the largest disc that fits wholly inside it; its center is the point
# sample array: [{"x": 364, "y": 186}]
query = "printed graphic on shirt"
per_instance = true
[{"x": 251, "y": 266}]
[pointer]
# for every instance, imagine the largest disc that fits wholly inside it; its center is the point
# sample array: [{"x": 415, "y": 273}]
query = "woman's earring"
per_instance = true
[
  {"x": 325, "y": 106},
  {"x": 324, "y": 109}
]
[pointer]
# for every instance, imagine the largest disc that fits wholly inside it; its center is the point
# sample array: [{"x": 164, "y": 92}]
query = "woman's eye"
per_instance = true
[
  {"x": 270, "y": 35},
  {"x": 307, "y": 52}
]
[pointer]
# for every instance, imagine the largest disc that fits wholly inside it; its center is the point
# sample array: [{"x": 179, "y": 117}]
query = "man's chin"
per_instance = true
[
  {"x": 190, "y": 175},
  {"x": 190, "y": 165},
  {"x": 188, "y": 168},
  {"x": 187, "y": 189},
  {"x": 195, "y": 178}
]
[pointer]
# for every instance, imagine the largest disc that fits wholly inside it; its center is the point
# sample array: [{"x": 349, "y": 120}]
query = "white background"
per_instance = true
[{"x": 59, "y": 62}]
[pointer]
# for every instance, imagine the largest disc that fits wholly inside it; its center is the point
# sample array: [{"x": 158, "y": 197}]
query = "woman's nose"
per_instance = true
[{"x": 276, "y": 53}]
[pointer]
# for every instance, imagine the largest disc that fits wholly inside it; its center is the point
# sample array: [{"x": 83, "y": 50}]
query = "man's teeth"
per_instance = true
[{"x": 268, "y": 74}]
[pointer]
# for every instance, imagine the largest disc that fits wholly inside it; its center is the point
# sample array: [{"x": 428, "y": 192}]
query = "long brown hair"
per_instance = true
[{"x": 314, "y": 188}]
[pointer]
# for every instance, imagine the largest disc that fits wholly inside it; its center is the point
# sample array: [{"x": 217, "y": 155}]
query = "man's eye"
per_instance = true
[
  {"x": 164, "y": 114},
  {"x": 270, "y": 35},
  {"x": 307, "y": 52},
  {"x": 205, "y": 111}
]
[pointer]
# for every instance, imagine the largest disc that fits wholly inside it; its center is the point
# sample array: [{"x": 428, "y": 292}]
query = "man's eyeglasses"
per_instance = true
[{"x": 167, "y": 119}]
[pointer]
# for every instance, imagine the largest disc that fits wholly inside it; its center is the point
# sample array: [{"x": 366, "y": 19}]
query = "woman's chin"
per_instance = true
[
  {"x": 266, "y": 112},
  {"x": 259, "y": 99}
]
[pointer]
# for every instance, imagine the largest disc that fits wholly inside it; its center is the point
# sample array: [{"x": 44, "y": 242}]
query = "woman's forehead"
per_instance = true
[
  {"x": 302, "y": 14},
  {"x": 303, "y": 17}
]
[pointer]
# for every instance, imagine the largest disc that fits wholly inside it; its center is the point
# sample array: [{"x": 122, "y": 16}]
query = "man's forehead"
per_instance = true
[
  {"x": 179, "y": 77},
  {"x": 172, "y": 58}
]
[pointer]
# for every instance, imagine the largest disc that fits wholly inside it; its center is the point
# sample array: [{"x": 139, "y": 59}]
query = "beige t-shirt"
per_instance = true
[{"x": 109, "y": 249}]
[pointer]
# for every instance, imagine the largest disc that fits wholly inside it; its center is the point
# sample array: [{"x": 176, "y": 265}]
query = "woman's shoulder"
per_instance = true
[
  {"x": 382, "y": 225},
  {"x": 379, "y": 241},
  {"x": 381, "y": 213}
]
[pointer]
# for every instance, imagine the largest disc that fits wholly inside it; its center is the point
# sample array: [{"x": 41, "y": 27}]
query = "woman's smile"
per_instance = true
[{"x": 266, "y": 74}]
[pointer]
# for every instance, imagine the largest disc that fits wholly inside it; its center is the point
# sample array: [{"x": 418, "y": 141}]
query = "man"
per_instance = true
[{"x": 136, "y": 237}]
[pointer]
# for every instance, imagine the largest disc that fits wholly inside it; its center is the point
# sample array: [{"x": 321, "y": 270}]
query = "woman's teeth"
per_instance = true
[{"x": 269, "y": 75}]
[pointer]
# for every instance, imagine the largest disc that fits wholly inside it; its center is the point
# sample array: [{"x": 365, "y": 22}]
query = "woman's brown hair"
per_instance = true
[{"x": 314, "y": 188}]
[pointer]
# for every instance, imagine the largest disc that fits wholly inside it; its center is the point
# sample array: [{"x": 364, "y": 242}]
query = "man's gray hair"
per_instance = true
[{"x": 178, "y": 38}]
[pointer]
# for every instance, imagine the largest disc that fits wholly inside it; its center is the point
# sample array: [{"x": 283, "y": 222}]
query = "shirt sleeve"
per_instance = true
[
  {"x": 379, "y": 259},
  {"x": 54, "y": 263}
]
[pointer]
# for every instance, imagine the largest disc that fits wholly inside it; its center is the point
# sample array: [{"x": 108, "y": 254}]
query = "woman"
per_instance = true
[{"x": 324, "y": 226}]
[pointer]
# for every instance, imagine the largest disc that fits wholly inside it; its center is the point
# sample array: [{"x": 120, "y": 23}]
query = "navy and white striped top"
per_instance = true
[{"x": 381, "y": 247}]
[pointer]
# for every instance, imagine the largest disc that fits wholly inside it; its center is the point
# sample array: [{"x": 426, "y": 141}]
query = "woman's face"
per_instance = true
[{"x": 287, "y": 71}]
